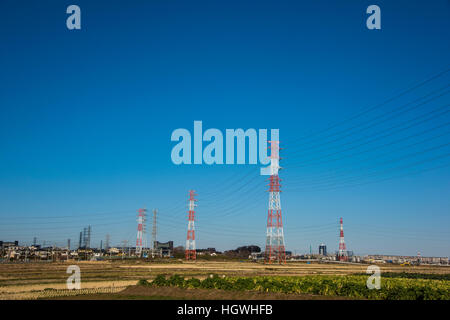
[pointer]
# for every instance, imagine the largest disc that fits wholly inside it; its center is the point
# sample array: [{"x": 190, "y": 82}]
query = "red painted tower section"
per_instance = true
[
  {"x": 275, "y": 248},
  {"x": 140, "y": 231},
  {"x": 190, "y": 241},
  {"x": 342, "y": 255}
]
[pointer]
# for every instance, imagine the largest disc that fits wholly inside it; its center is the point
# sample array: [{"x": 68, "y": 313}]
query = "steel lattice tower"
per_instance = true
[
  {"x": 140, "y": 231},
  {"x": 88, "y": 245},
  {"x": 154, "y": 232},
  {"x": 190, "y": 241},
  {"x": 342, "y": 256},
  {"x": 85, "y": 238},
  {"x": 275, "y": 248},
  {"x": 107, "y": 242}
]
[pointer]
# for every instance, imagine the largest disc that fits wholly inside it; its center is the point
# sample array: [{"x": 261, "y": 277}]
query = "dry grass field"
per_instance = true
[{"x": 48, "y": 280}]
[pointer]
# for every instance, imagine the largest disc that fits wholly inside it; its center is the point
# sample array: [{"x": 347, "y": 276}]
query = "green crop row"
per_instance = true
[
  {"x": 409, "y": 275},
  {"x": 353, "y": 286}
]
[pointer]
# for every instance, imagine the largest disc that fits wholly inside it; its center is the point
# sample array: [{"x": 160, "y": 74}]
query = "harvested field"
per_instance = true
[
  {"x": 156, "y": 293},
  {"x": 27, "y": 281}
]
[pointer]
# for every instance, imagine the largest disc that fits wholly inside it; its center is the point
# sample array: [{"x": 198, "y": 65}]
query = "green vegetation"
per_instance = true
[
  {"x": 432, "y": 276},
  {"x": 398, "y": 288}
]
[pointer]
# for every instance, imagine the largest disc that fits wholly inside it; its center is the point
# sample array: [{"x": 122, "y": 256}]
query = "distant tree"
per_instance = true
[
  {"x": 179, "y": 249},
  {"x": 242, "y": 252}
]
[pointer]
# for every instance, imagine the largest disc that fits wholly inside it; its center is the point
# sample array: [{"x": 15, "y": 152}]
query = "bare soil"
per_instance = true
[{"x": 158, "y": 293}]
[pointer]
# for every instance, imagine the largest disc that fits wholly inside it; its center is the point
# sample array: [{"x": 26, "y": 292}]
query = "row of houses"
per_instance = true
[
  {"x": 12, "y": 251},
  {"x": 379, "y": 258}
]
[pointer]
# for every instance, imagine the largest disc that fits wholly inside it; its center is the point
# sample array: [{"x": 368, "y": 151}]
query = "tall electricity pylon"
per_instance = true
[
  {"x": 342, "y": 256},
  {"x": 190, "y": 241},
  {"x": 275, "y": 248},
  {"x": 154, "y": 233},
  {"x": 140, "y": 231}
]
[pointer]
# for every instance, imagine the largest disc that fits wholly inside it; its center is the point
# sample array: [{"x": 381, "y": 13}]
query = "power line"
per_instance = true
[
  {"x": 382, "y": 146},
  {"x": 385, "y": 179},
  {"x": 383, "y": 103},
  {"x": 392, "y": 116},
  {"x": 334, "y": 175},
  {"x": 397, "y": 126}
]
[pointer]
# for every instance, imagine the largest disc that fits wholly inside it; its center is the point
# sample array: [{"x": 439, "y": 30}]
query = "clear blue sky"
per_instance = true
[{"x": 86, "y": 118}]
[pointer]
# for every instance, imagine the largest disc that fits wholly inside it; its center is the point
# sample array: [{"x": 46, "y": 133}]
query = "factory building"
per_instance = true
[
  {"x": 165, "y": 248},
  {"x": 6, "y": 244},
  {"x": 322, "y": 249}
]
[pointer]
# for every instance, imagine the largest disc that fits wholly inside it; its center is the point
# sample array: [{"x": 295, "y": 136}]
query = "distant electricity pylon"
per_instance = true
[
  {"x": 124, "y": 245},
  {"x": 190, "y": 241},
  {"x": 342, "y": 255},
  {"x": 87, "y": 237},
  {"x": 154, "y": 233},
  {"x": 107, "y": 242},
  {"x": 275, "y": 248},
  {"x": 140, "y": 231}
]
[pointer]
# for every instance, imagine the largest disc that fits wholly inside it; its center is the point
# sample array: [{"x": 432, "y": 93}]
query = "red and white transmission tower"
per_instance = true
[
  {"x": 342, "y": 256},
  {"x": 140, "y": 231},
  {"x": 275, "y": 249},
  {"x": 190, "y": 241}
]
